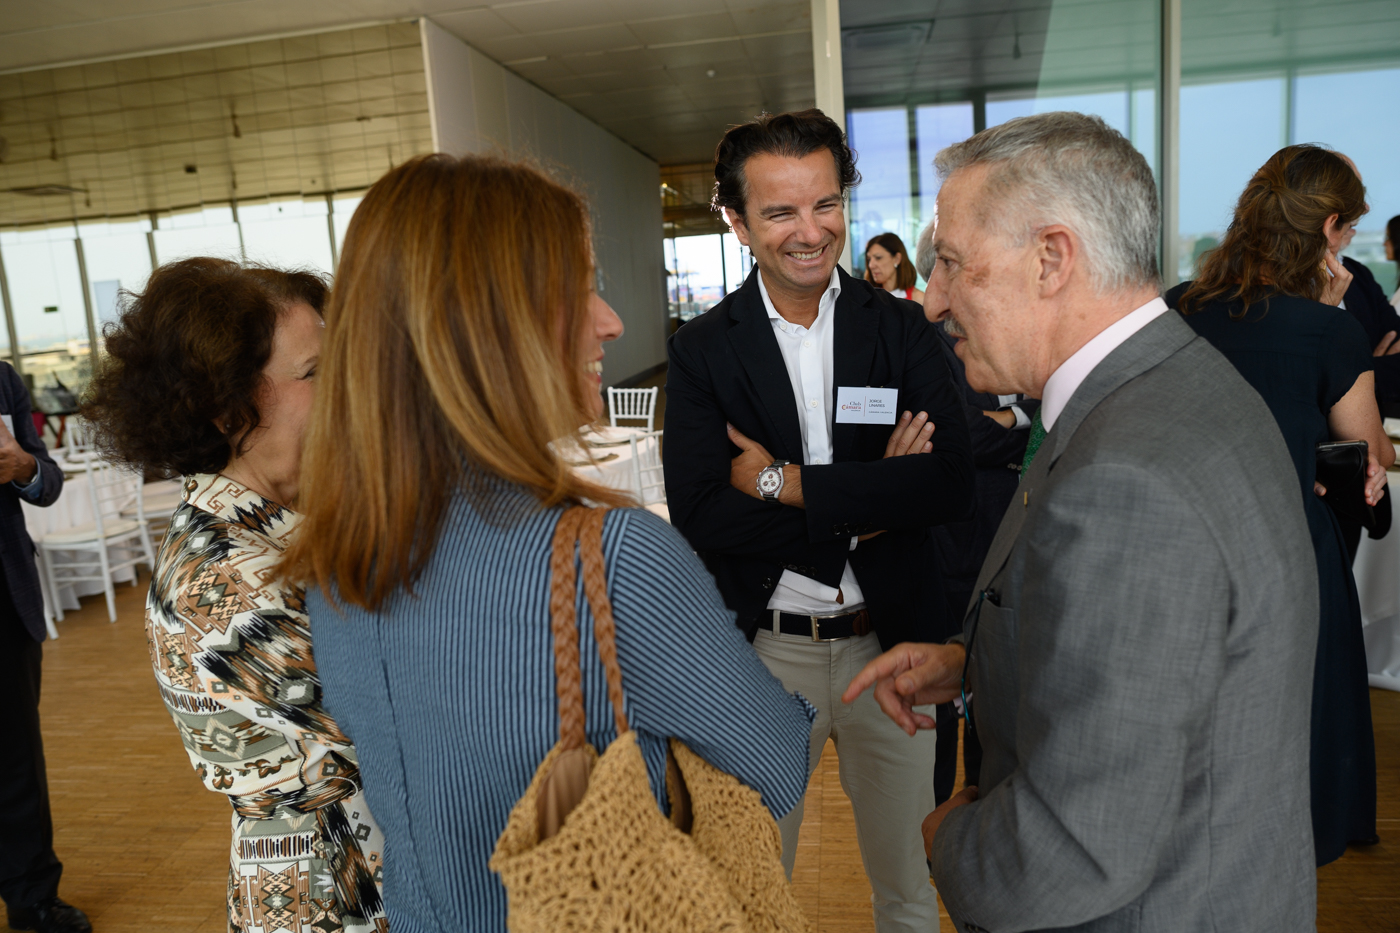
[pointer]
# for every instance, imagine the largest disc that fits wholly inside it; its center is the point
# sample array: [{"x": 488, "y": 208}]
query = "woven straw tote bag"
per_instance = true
[{"x": 587, "y": 849}]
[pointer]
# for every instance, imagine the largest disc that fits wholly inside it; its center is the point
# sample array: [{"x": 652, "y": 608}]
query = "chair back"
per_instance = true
[
  {"x": 632, "y": 405},
  {"x": 113, "y": 490},
  {"x": 648, "y": 474},
  {"x": 77, "y": 435}
]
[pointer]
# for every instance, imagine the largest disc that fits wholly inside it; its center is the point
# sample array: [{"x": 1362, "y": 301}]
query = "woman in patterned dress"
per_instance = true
[{"x": 209, "y": 374}]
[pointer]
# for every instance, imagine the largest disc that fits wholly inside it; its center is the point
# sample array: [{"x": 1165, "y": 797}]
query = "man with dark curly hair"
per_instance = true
[
  {"x": 792, "y": 487},
  {"x": 29, "y": 869}
]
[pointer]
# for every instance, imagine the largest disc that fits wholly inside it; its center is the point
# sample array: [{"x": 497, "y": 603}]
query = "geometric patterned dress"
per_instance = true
[{"x": 231, "y": 647}]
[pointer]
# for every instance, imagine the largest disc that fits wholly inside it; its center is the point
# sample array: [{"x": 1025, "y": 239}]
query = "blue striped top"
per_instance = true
[{"x": 449, "y": 693}]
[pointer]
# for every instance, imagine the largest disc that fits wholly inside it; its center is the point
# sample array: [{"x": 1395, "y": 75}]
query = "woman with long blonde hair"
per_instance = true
[{"x": 463, "y": 340}]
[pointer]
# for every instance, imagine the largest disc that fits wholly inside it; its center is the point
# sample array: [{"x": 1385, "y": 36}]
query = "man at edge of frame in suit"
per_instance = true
[
  {"x": 29, "y": 870},
  {"x": 813, "y": 436},
  {"x": 1138, "y": 656}
]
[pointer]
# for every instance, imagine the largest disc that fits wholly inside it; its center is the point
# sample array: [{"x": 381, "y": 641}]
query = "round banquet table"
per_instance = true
[
  {"x": 1377, "y": 570},
  {"x": 612, "y": 464}
]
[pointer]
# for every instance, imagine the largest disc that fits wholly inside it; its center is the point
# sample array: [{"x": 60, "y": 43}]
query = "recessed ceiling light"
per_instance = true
[{"x": 710, "y": 73}]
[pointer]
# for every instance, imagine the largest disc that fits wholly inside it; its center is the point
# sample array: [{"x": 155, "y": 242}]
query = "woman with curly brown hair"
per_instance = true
[
  {"x": 209, "y": 373},
  {"x": 1267, "y": 299}
]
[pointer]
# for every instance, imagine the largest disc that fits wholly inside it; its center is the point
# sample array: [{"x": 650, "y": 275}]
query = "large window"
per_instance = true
[
  {"x": 45, "y": 275},
  {"x": 914, "y": 86},
  {"x": 701, "y": 270},
  {"x": 1255, "y": 75},
  {"x": 1230, "y": 127},
  {"x": 292, "y": 234}
]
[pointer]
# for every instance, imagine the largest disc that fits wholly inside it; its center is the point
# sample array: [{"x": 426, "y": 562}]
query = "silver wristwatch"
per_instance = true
[{"x": 770, "y": 480}]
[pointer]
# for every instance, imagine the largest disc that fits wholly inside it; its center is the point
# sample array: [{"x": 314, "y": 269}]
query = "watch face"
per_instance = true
[{"x": 770, "y": 481}]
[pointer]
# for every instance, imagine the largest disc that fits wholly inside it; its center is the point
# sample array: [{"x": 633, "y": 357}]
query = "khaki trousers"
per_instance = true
[{"x": 887, "y": 775}]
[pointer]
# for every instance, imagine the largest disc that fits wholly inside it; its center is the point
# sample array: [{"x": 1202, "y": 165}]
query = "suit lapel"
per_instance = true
[
  {"x": 1159, "y": 339},
  {"x": 1142, "y": 351},
  {"x": 853, "y": 354},
  {"x": 757, "y": 349},
  {"x": 1010, "y": 528}
]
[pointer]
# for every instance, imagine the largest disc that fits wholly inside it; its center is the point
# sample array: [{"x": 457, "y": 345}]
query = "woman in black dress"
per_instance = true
[{"x": 1266, "y": 298}]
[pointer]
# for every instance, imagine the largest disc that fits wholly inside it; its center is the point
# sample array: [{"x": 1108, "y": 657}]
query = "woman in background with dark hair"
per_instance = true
[
  {"x": 209, "y": 374},
  {"x": 888, "y": 266},
  {"x": 1266, "y": 298}
]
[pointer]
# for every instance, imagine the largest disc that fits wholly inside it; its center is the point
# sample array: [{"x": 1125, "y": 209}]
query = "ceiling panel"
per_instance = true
[
  {"x": 183, "y": 128},
  {"x": 612, "y": 59}
]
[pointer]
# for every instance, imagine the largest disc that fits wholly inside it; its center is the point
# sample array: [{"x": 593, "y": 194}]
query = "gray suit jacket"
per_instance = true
[{"x": 1142, "y": 689}]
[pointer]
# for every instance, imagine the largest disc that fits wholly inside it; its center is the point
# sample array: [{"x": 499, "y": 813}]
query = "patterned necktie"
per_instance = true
[{"x": 1033, "y": 444}]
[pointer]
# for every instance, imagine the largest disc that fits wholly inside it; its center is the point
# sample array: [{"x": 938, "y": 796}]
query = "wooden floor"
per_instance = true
[{"x": 145, "y": 846}]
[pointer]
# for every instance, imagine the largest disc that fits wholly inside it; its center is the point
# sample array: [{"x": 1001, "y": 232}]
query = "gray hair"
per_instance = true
[
  {"x": 924, "y": 253},
  {"x": 1072, "y": 169}
]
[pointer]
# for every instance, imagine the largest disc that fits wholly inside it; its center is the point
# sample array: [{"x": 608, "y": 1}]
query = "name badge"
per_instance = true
[{"x": 866, "y": 405}]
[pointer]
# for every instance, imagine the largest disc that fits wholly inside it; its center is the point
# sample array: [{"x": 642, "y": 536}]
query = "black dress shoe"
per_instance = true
[{"x": 51, "y": 915}]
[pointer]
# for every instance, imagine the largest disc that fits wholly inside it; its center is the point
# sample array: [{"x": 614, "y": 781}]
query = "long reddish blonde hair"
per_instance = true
[{"x": 451, "y": 356}]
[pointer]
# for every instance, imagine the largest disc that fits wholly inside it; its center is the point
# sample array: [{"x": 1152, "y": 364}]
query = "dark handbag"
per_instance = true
[{"x": 1341, "y": 469}]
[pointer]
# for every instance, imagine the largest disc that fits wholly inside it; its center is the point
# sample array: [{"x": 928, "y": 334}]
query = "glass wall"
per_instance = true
[
  {"x": 915, "y": 84},
  {"x": 1231, "y": 125},
  {"x": 45, "y": 277},
  {"x": 701, "y": 270},
  {"x": 1258, "y": 75}
]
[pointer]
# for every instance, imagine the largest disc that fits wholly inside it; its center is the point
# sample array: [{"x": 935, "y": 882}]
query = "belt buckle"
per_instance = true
[{"x": 816, "y": 626}]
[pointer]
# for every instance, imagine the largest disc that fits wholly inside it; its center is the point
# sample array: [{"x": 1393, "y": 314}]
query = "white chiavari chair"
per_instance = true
[
  {"x": 108, "y": 544},
  {"x": 632, "y": 405}
]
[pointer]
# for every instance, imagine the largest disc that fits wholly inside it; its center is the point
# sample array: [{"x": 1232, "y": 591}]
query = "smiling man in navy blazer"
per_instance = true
[{"x": 798, "y": 495}]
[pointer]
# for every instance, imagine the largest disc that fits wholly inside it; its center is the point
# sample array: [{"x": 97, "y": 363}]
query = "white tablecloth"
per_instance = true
[
  {"x": 616, "y": 472},
  {"x": 1377, "y": 570},
  {"x": 73, "y": 509}
]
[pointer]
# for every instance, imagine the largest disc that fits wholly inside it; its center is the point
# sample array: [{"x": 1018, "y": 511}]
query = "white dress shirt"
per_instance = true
[
  {"x": 1063, "y": 382},
  {"x": 1012, "y": 404},
  {"x": 808, "y": 354}
]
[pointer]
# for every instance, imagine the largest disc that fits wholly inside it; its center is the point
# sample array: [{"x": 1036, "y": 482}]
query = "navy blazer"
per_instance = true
[
  {"x": 1366, "y": 301},
  {"x": 725, "y": 366},
  {"x": 16, "y": 547}
]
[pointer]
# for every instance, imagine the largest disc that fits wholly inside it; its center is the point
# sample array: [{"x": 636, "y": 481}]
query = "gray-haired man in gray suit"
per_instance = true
[{"x": 1140, "y": 649}]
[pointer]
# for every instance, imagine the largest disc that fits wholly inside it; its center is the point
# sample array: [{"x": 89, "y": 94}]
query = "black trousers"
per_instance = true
[
  {"x": 29, "y": 870},
  {"x": 945, "y": 766}
]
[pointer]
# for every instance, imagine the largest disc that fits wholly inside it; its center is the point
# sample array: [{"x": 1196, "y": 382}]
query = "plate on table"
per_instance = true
[
  {"x": 1392, "y": 426},
  {"x": 608, "y": 436},
  {"x": 596, "y": 460}
]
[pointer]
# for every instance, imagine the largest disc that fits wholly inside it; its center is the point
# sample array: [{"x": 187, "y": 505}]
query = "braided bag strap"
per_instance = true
[
  {"x": 595, "y": 587},
  {"x": 568, "y": 677},
  {"x": 583, "y": 527}
]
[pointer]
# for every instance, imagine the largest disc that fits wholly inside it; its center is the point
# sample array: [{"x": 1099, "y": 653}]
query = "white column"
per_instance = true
[
  {"x": 9, "y": 319},
  {"x": 1168, "y": 137},
  {"x": 447, "y": 65},
  {"x": 87, "y": 300},
  {"x": 826, "y": 73}
]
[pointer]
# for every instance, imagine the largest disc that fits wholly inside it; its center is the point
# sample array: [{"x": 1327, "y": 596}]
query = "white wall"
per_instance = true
[{"x": 476, "y": 105}]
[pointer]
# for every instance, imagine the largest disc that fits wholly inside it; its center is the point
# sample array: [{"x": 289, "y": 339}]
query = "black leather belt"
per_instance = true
[{"x": 824, "y": 628}]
